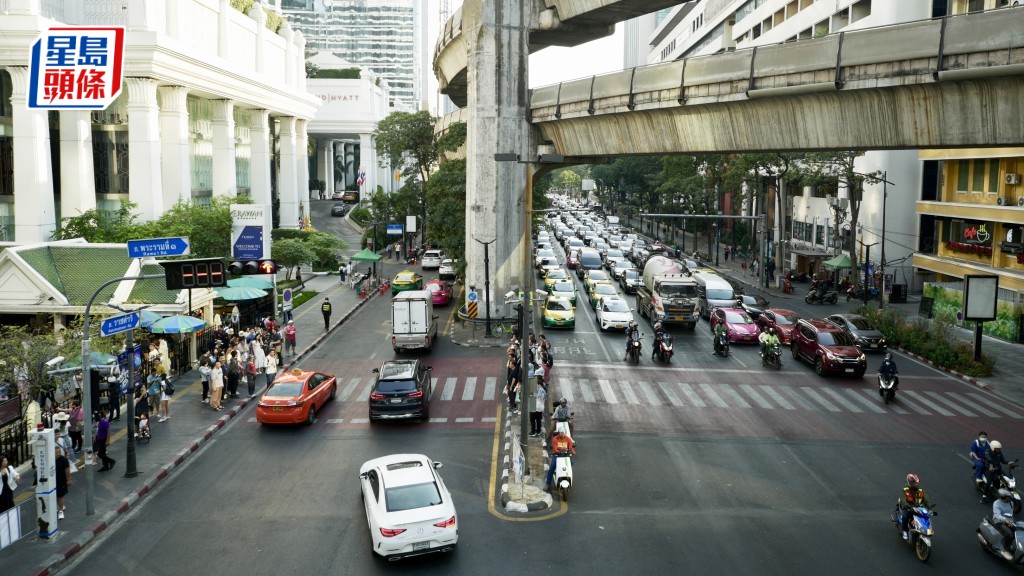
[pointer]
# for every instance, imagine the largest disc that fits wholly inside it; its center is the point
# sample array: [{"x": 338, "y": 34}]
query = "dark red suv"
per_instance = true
[{"x": 827, "y": 347}]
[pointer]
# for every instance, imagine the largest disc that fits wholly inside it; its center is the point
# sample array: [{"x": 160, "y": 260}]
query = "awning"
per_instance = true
[
  {"x": 366, "y": 255},
  {"x": 809, "y": 252},
  {"x": 840, "y": 261}
]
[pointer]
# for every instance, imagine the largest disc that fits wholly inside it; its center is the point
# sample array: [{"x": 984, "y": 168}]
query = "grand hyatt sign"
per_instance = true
[{"x": 338, "y": 97}]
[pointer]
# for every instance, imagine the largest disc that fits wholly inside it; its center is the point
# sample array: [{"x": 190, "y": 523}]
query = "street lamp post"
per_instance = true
[{"x": 487, "y": 284}]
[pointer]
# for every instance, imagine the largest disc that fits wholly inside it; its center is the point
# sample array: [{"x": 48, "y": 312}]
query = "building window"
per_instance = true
[
  {"x": 978, "y": 177},
  {"x": 963, "y": 176},
  {"x": 819, "y": 235},
  {"x": 993, "y": 176}
]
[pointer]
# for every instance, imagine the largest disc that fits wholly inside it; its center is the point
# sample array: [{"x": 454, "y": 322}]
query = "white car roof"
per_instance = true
[{"x": 402, "y": 469}]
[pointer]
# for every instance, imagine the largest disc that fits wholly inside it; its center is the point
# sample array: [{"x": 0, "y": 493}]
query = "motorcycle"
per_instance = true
[
  {"x": 822, "y": 295},
  {"x": 857, "y": 293},
  {"x": 563, "y": 474},
  {"x": 633, "y": 347},
  {"x": 920, "y": 528},
  {"x": 772, "y": 357},
  {"x": 562, "y": 425},
  {"x": 663, "y": 348},
  {"x": 1005, "y": 480},
  {"x": 722, "y": 345},
  {"x": 991, "y": 540},
  {"x": 887, "y": 387}
]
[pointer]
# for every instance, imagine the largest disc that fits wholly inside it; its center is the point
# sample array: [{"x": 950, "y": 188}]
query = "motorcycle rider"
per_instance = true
[
  {"x": 979, "y": 454},
  {"x": 719, "y": 331},
  {"x": 888, "y": 368},
  {"x": 770, "y": 339},
  {"x": 562, "y": 412},
  {"x": 913, "y": 496},
  {"x": 630, "y": 330},
  {"x": 659, "y": 334},
  {"x": 994, "y": 464},
  {"x": 1002, "y": 518},
  {"x": 560, "y": 443}
]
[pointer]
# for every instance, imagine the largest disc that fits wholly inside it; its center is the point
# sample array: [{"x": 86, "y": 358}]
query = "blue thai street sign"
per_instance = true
[
  {"x": 394, "y": 230},
  {"x": 118, "y": 324},
  {"x": 153, "y": 247}
]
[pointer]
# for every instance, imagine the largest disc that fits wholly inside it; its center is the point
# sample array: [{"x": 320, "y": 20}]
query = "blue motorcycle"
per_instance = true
[{"x": 920, "y": 529}]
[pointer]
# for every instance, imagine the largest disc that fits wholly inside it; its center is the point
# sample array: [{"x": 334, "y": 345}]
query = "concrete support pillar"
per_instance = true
[
  {"x": 299, "y": 81},
  {"x": 302, "y": 157},
  {"x": 368, "y": 163},
  {"x": 260, "y": 157},
  {"x": 77, "y": 182},
  {"x": 497, "y": 78},
  {"x": 225, "y": 182},
  {"x": 144, "y": 182},
  {"x": 34, "y": 211},
  {"x": 323, "y": 162},
  {"x": 287, "y": 181},
  {"x": 174, "y": 145},
  {"x": 288, "y": 34},
  {"x": 224, "y": 28},
  {"x": 257, "y": 14},
  {"x": 329, "y": 167}
]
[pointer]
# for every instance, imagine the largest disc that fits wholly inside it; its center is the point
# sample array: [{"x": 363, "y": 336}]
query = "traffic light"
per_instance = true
[
  {"x": 251, "y": 267},
  {"x": 197, "y": 273}
]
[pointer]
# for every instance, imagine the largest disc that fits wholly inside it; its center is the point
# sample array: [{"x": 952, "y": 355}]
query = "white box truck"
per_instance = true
[
  {"x": 413, "y": 324},
  {"x": 612, "y": 222}
]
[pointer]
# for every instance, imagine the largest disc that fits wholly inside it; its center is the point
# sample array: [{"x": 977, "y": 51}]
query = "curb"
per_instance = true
[
  {"x": 78, "y": 543},
  {"x": 468, "y": 345},
  {"x": 969, "y": 379},
  {"x": 506, "y": 500}
]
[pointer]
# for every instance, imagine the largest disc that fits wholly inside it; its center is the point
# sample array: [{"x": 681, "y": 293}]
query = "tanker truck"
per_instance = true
[{"x": 668, "y": 293}]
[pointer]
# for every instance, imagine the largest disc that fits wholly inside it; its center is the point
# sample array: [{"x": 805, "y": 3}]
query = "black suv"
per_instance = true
[{"x": 401, "y": 390}]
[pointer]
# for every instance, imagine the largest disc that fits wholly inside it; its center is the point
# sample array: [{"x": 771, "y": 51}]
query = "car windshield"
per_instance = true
[
  {"x": 737, "y": 318},
  {"x": 435, "y": 288},
  {"x": 833, "y": 339},
  {"x": 285, "y": 389},
  {"x": 679, "y": 290},
  {"x": 545, "y": 252},
  {"x": 590, "y": 260},
  {"x": 394, "y": 386},
  {"x": 861, "y": 323},
  {"x": 720, "y": 294},
  {"x": 405, "y": 277},
  {"x": 632, "y": 274},
  {"x": 785, "y": 320},
  {"x": 564, "y": 286},
  {"x": 615, "y": 305},
  {"x": 558, "y": 305},
  {"x": 597, "y": 276},
  {"x": 604, "y": 289},
  {"x": 614, "y": 254},
  {"x": 412, "y": 497},
  {"x": 557, "y": 274}
]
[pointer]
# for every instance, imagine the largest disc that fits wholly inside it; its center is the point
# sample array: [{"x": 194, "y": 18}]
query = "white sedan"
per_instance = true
[
  {"x": 613, "y": 313},
  {"x": 408, "y": 508}
]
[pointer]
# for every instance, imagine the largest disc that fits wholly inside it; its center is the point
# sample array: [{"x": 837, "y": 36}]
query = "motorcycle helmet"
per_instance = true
[
  {"x": 771, "y": 330},
  {"x": 563, "y": 401},
  {"x": 888, "y": 357},
  {"x": 913, "y": 480},
  {"x": 996, "y": 445},
  {"x": 1004, "y": 493},
  {"x": 657, "y": 325}
]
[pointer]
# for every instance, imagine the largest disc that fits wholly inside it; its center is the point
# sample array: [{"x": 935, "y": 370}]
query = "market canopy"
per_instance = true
[
  {"x": 366, "y": 255},
  {"x": 840, "y": 261}
]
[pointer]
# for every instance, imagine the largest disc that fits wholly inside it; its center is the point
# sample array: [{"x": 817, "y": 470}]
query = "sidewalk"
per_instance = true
[{"x": 192, "y": 424}]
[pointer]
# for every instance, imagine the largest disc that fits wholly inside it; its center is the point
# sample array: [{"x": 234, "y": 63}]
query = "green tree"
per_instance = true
[
  {"x": 407, "y": 139},
  {"x": 100, "y": 226},
  {"x": 446, "y": 195},
  {"x": 325, "y": 248},
  {"x": 291, "y": 253}
]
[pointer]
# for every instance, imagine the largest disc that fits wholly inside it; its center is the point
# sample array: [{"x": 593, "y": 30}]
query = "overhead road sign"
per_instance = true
[
  {"x": 118, "y": 324},
  {"x": 155, "y": 247}
]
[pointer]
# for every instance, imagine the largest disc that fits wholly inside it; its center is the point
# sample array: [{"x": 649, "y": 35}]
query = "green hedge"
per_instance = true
[
  {"x": 931, "y": 339},
  {"x": 361, "y": 215}
]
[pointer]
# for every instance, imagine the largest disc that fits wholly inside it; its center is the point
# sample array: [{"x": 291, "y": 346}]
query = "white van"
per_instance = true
[
  {"x": 713, "y": 291},
  {"x": 413, "y": 324}
]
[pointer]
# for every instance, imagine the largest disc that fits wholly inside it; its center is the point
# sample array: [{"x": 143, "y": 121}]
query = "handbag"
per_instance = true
[{"x": 11, "y": 472}]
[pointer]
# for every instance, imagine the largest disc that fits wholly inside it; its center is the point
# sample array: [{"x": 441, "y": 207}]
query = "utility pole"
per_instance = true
[{"x": 487, "y": 283}]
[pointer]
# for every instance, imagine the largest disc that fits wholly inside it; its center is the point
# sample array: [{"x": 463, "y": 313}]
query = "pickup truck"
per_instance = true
[{"x": 667, "y": 294}]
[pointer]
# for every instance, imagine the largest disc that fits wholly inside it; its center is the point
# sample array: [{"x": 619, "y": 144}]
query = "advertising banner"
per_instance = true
[{"x": 250, "y": 231}]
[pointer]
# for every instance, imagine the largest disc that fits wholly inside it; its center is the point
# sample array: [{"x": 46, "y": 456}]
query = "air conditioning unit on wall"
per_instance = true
[
  {"x": 1013, "y": 179},
  {"x": 1004, "y": 201}
]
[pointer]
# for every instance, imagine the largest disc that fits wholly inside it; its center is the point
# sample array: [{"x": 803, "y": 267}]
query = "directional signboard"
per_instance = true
[
  {"x": 250, "y": 231},
  {"x": 153, "y": 247},
  {"x": 118, "y": 324},
  {"x": 394, "y": 230}
]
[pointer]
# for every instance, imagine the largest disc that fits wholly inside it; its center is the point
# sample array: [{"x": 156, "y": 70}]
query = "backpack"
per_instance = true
[
  {"x": 549, "y": 360},
  {"x": 168, "y": 387}
]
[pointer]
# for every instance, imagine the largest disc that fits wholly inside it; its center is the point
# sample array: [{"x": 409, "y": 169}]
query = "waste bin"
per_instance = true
[{"x": 898, "y": 295}]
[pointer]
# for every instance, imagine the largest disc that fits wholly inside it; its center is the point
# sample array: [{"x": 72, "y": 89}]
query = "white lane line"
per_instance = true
[
  {"x": 777, "y": 397},
  {"x": 489, "y": 419},
  {"x": 922, "y": 400},
  {"x": 872, "y": 398},
  {"x": 813, "y": 395},
  {"x": 669, "y": 393},
  {"x": 758, "y": 399},
  {"x": 470, "y": 389},
  {"x": 955, "y": 397},
  {"x": 586, "y": 391},
  {"x": 938, "y": 397},
  {"x": 251, "y": 419},
  {"x": 912, "y": 405},
  {"x": 740, "y": 361},
  {"x": 360, "y": 420},
  {"x": 649, "y": 393},
  {"x": 438, "y": 420},
  {"x": 627, "y": 392},
  {"x": 565, "y": 389},
  {"x": 609, "y": 394},
  {"x": 364, "y": 394},
  {"x": 692, "y": 395},
  {"x": 795, "y": 396},
  {"x": 353, "y": 383},
  {"x": 449, "y": 388},
  {"x": 490, "y": 385},
  {"x": 835, "y": 395},
  {"x": 981, "y": 398},
  {"x": 733, "y": 396},
  {"x": 713, "y": 396},
  {"x": 335, "y": 420},
  {"x": 462, "y": 420},
  {"x": 857, "y": 398}
]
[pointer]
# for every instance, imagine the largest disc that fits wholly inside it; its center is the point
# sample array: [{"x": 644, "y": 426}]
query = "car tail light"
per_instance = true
[
  {"x": 392, "y": 340},
  {"x": 376, "y": 396},
  {"x": 390, "y": 532},
  {"x": 416, "y": 394},
  {"x": 426, "y": 340},
  {"x": 446, "y": 523}
]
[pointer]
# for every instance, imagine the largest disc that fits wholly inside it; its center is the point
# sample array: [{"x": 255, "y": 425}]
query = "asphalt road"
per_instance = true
[{"x": 706, "y": 466}]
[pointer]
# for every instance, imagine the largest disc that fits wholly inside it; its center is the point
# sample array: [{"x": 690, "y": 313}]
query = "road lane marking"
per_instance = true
[
  {"x": 359, "y": 421},
  {"x": 451, "y": 316},
  {"x": 692, "y": 395},
  {"x": 756, "y": 397},
  {"x": 586, "y": 391},
  {"x": 981, "y": 398},
  {"x": 365, "y": 394},
  {"x": 565, "y": 389},
  {"x": 841, "y": 400},
  {"x": 813, "y": 395},
  {"x": 335, "y": 420},
  {"x": 777, "y": 397},
  {"x": 490, "y": 385},
  {"x": 627, "y": 392},
  {"x": 449, "y": 388},
  {"x": 873, "y": 406},
  {"x": 734, "y": 396},
  {"x": 353, "y": 383},
  {"x": 652, "y": 398},
  {"x": 470, "y": 389},
  {"x": 438, "y": 420},
  {"x": 872, "y": 398},
  {"x": 795, "y": 396},
  {"x": 921, "y": 399},
  {"x": 250, "y": 420},
  {"x": 913, "y": 406},
  {"x": 489, "y": 419},
  {"x": 938, "y": 397},
  {"x": 713, "y": 396},
  {"x": 669, "y": 393},
  {"x": 609, "y": 394},
  {"x": 463, "y": 420}
]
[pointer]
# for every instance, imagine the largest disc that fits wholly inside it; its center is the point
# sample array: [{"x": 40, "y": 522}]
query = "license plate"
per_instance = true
[
  {"x": 874, "y": 345},
  {"x": 416, "y": 546},
  {"x": 399, "y": 400},
  {"x": 618, "y": 326},
  {"x": 849, "y": 370},
  {"x": 278, "y": 409}
]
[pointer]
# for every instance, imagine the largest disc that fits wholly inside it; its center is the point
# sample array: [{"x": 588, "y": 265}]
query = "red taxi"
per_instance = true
[{"x": 295, "y": 396}]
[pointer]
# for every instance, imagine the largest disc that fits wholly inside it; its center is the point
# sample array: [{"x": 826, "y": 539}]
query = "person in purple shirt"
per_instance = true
[{"x": 99, "y": 445}]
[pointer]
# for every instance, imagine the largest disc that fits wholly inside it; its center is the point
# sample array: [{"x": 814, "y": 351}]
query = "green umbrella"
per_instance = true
[
  {"x": 250, "y": 282},
  {"x": 240, "y": 293}
]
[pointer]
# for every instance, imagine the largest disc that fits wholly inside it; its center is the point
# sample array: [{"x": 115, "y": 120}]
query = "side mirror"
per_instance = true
[
  {"x": 438, "y": 465},
  {"x": 376, "y": 370},
  {"x": 363, "y": 476},
  {"x": 430, "y": 367}
]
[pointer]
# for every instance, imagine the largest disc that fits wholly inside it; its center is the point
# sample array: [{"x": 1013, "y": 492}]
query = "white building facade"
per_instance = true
[
  {"x": 713, "y": 26},
  {"x": 214, "y": 104}
]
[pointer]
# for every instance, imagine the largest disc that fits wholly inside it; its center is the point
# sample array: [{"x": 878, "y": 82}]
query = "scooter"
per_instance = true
[
  {"x": 887, "y": 387},
  {"x": 562, "y": 425},
  {"x": 857, "y": 293},
  {"x": 563, "y": 474},
  {"x": 991, "y": 540},
  {"x": 772, "y": 357},
  {"x": 722, "y": 345},
  {"x": 633, "y": 347},
  {"x": 663, "y": 348},
  {"x": 1005, "y": 480},
  {"x": 822, "y": 295},
  {"x": 920, "y": 528}
]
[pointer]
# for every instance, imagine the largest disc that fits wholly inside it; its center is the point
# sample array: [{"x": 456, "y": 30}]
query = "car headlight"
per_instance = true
[
  {"x": 830, "y": 355},
  {"x": 862, "y": 358}
]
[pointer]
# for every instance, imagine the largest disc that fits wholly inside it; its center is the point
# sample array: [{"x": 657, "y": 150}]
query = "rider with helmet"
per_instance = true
[
  {"x": 979, "y": 455},
  {"x": 562, "y": 412},
  {"x": 888, "y": 368},
  {"x": 913, "y": 496},
  {"x": 719, "y": 331},
  {"x": 770, "y": 339},
  {"x": 631, "y": 329},
  {"x": 659, "y": 333},
  {"x": 994, "y": 464},
  {"x": 1002, "y": 517}
]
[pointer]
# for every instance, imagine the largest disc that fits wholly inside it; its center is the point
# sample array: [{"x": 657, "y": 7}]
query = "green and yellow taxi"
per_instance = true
[
  {"x": 558, "y": 313},
  {"x": 599, "y": 290},
  {"x": 554, "y": 276},
  {"x": 406, "y": 280},
  {"x": 593, "y": 277},
  {"x": 564, "y": 289}
]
